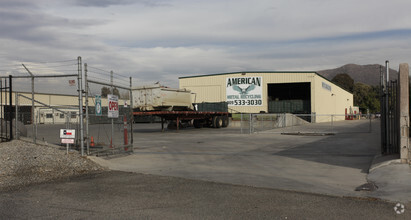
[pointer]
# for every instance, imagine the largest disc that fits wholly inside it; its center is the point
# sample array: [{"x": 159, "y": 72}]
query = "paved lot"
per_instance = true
[
  {"x": 333, "y": 165},
  {"x": 119, "y": 195}
]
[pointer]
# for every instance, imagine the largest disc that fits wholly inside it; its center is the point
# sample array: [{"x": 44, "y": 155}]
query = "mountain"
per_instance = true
[{"x": 368, "y": 74}]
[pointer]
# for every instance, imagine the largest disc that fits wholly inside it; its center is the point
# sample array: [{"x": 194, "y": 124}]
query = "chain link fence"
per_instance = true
[
  {"x": 302, "y": 124},
  {"x": 46, "y": 122},
  {"x": 108, "y": 135},
  {"x": 107, "y": 132}
]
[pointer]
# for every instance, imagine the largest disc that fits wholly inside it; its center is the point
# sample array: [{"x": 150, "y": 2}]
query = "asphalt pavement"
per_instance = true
[
  {"x": 327, "y": 164},
  {"x": 122, "y": 195},
  {"x": 221, "y": 173}
]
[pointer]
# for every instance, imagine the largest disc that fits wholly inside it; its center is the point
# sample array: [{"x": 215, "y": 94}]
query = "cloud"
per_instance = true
[
  {"x": 152, "y": 43},
  {"x": 108, "y": 3}
]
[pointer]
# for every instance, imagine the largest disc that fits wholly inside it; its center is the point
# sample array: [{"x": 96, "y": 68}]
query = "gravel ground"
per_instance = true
[{"x": 24, "y": 163}]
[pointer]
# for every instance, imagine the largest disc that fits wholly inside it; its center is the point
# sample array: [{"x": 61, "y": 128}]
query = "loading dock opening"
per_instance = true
[{"x": 289, "y": 98}]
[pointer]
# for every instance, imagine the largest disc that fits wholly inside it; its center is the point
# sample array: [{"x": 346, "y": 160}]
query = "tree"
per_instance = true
[
  {"x": 367, "y": 97},
  {"x": 344, "y": 81},
  {"x": 106, "y": 90}
]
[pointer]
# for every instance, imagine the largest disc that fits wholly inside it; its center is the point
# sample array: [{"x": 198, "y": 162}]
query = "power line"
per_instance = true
[{"x": 99, "y": 69}]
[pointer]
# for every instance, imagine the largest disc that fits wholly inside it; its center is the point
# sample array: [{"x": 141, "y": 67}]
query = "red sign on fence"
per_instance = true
[{"x": 112, "y": 106}]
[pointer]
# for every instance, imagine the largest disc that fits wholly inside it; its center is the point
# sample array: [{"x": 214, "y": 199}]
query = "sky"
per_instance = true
[{"x": 161, "y": 40}]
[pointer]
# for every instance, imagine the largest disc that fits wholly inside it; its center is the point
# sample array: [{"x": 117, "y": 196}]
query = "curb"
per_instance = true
[{"x": 383, "y": 160}]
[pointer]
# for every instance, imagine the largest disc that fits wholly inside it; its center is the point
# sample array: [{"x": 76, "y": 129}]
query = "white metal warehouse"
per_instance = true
[{"x": 271, "y": 92}]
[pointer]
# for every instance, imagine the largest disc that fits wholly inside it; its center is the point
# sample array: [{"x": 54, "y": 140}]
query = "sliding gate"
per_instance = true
[{"x": 6, "y": 109}]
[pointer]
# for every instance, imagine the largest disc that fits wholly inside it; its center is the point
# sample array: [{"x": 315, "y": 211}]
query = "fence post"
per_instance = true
[
  {"x": 10, "y": 106},
  {"x": 386, "y": 107},
  {"x": 241, "y": 123},
  {"x": 251, "y": 123},
  {"x": 131, "y": 111},
  {"x": 112, "y": 120},
  {"x": 68, "y": 116},
  {"x": 403, "y": 125},
  {"x": 87, "y": 115},
  {"x": 80, "y": 99},
  {"x": 17, "y": 114}
]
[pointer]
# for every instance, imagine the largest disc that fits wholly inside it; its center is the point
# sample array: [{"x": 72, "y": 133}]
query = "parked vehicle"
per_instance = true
[{"x": 176, "y": 107}]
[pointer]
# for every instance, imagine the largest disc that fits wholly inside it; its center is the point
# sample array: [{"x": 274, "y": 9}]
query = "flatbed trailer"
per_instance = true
[{"x": 199, "y": 118}]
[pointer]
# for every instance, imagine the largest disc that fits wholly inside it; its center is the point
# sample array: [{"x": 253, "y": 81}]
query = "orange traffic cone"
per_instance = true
[{"x": 92, "y": 142}]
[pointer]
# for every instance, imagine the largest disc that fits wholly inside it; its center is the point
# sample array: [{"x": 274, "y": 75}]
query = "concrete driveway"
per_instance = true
[{"x": 333, "y": 165}]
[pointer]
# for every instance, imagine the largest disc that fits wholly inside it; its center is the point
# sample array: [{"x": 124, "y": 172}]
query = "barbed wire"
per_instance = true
[
  {"x": 45, "y": 67},
  {"x": 90, "y": 67},
  {"x": 58, "y": 61}
]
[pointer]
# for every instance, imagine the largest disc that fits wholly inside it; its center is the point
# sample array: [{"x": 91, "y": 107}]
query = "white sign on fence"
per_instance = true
[
  {"x": 67, "y": 133},
  {"x": 112, "y": 106},
  {"x": 244, "y": 91},
  {"x": 67, "y": 141}
]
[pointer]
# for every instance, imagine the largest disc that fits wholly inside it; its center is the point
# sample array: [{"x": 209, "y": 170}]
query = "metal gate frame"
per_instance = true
[
  {"x": 6, "y": 134},
  {"x": 112, "y": 86},
  {"x": 389, "y": 113}
]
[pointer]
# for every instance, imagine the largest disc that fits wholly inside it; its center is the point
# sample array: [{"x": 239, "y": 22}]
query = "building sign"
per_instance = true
[
  {"x": 98, "y": 105},
  {"x": 244, "y": 91},
  {"x": 112, "y": 106},
  {"x": 326, "y": 86}
]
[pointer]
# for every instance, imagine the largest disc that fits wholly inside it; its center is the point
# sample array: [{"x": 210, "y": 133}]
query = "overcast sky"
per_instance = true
[{"x": 161, "y": 40}]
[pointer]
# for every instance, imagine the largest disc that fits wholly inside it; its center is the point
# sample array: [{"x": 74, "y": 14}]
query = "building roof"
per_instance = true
[
  {"x": 274, "y": 72},
  {"x": 217, "y": 74}
]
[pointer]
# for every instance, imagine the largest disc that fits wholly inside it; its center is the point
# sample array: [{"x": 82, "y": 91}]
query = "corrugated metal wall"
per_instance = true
[
  {"x": 212, "y": 88},
  {"x": 326, "y": 98}
]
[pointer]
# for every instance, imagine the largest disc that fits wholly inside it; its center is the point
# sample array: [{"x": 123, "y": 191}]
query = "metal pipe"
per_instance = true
[
  {"x": 250, "y": 120},
  {"x": 387, "y": 106},
  {"x": 382, "y": 115},
  {"x": 1, "y": 109},
  {"x": 17, "y": 113},
  {"x": 41, "y": 76},
  {"x": 10, "y": 106},
  {"x": 5, "y": 112},
  {"x": 87, "y": 116},
  {"x": 131, "y": 112},
  {"x": 32, "y": 103},
  {"x": 241, "y": 123},
  {"x": 112, "y": 119},
  {"x": 80, "y": 100}
]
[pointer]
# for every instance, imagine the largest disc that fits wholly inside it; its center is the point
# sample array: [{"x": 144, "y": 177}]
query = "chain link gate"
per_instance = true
[
  {"x": 305, "y": 124},
  {"x": 7, "y": 113},
  {"x": 107, "y": 134}
]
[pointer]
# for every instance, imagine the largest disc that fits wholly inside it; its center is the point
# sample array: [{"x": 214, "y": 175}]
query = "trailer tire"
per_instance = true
[
  {"x": 197, "y": 123},
  {"x": 217, "y": 121},
  {"x": 225, "y": 121}
]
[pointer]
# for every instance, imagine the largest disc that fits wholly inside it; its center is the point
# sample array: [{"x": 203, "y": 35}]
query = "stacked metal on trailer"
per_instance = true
[{"x": 160, "y": 98}]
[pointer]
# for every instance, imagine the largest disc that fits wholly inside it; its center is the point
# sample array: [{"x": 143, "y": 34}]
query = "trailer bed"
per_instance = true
[{"x": 200, "y": 117}]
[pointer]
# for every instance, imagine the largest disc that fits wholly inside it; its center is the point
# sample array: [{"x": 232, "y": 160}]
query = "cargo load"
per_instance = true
[{"x": 160, "y": 98}]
